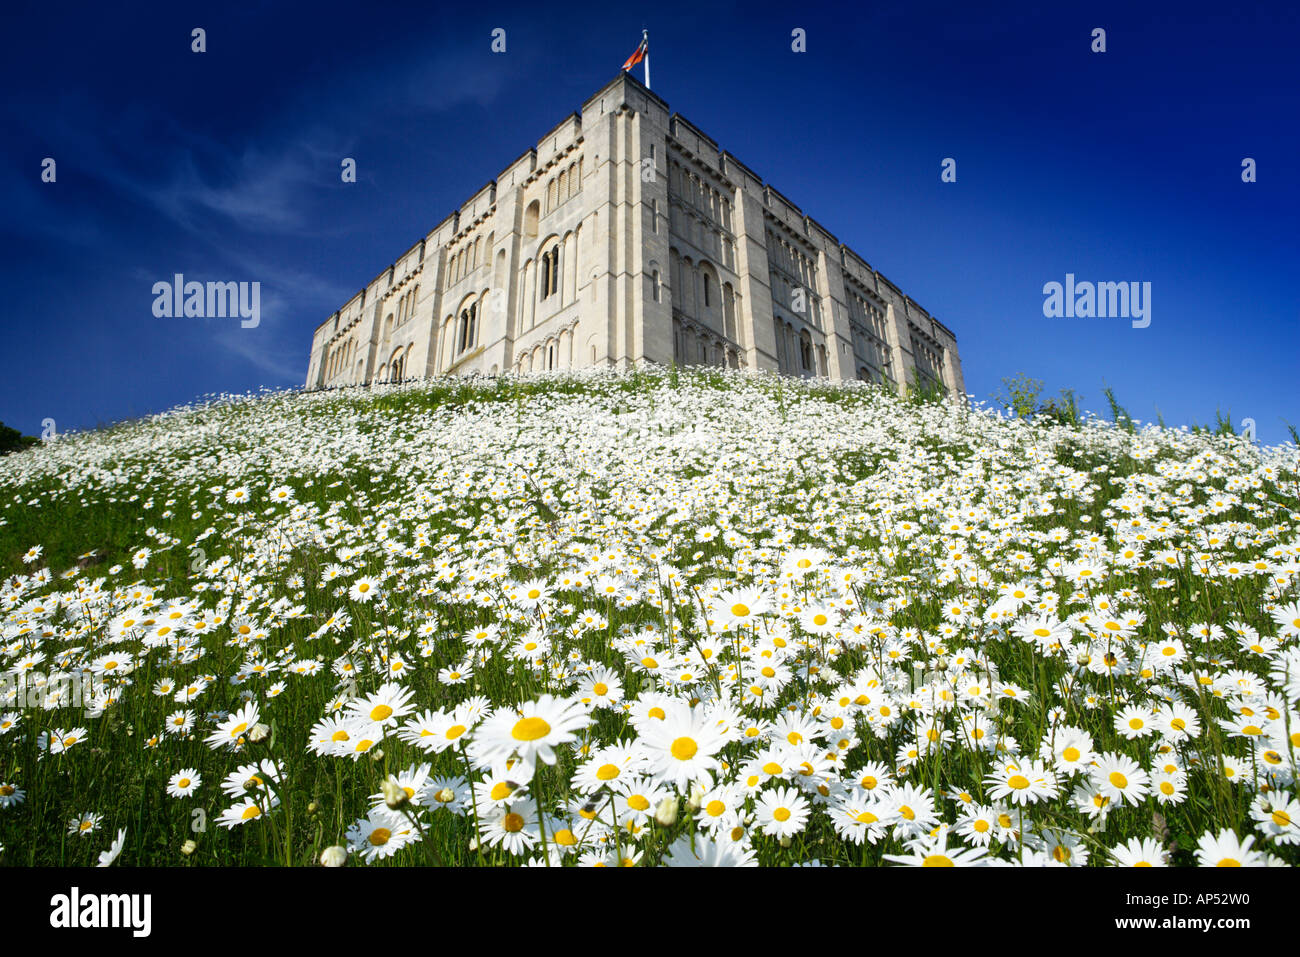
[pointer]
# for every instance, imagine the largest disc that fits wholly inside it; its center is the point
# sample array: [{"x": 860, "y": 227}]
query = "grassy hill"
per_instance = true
[{"x": 664, "y": 618}]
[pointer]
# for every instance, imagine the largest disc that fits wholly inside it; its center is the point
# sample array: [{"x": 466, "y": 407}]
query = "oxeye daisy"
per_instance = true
[
  {"x": 1134, "y": 721},
  {"x": 85, "y": 824},
  {"x": 739, "y": 607},
  {"x": 381, "y": 834},
  {"x": 1225, "y": 849},
  {"x": 233, "y": 732},
  {"x": 249, "y": 809},
  {"x": 681, "y": 748},
  {"x": 383, "y": 707},
  {"x": 109, "y": 856},
  {"x": 1140, "y": 852},
  {"x": 781, "y": 812},
  {"x": 934, "y": 852},
  {"x": 1023, "y": 782},
  {"x": 1277, "y": 817},
  {"x": 511, "y": 827},
  {"x": 1120, "y": 778},
  {"x": 11, "y": 795},
  {"x": 532, "y": 732},
  {"x": 364, "y": 589},
  {"x": 184, "y": 783},
  {"x": 702, "y": 852}
]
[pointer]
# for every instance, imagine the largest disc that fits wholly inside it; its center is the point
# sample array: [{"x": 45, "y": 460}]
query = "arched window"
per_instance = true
[
  {"x": 531, "y": 215},
  {"x": 550, "y": 277}
]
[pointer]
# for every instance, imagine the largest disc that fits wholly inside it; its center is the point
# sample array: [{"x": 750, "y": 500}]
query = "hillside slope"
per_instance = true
[{"x": 663, "y": 618}]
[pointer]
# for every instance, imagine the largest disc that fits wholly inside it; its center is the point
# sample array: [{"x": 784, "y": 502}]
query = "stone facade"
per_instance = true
[{"x": 626, "y": 236}]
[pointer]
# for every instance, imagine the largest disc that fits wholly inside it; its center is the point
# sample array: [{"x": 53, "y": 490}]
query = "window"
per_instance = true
[
  {"x": 467, "y": 331},
  {"x": 707, "y": 299},
  {"x": 550, "y": 272}
]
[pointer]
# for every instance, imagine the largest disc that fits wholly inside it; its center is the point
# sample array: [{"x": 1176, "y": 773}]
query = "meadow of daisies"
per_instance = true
[{"x": 654, "y": 619}]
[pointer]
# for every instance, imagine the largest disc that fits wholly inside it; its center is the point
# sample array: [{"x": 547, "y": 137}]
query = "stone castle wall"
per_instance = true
[{"x": 628, "y": 236}]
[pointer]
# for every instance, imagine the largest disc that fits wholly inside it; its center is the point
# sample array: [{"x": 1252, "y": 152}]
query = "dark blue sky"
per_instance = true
[{"x": 1122, "y": 166}]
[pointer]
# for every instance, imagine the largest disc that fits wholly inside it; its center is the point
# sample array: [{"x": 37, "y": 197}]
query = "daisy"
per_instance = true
[
  {"x": 382, "y": 833},
  {"x": 512, "y": 827},
  {"x": 1140, "y": 852},
  {"x": 436, "y": 731},
  {"x": 58, "y": 740},
  {"x": 858, "y": 816},
  {"x": 246, "y": 810},
  {"x": 681, "y": 748},
  {"x": 602, "y": 688},
  {"x": 1071, "y": 751},
  {"x": 739, "y": 606},
  {"x": 1134, "y": 721},
  {"x": 1120, "y": 778},
  {"x": 1170, "y": 788},
  {"x": 607, "y": 765},
  {"x": 11, "y": 795},
  {"x": 232, "y": 732},
  {"x": 364, "y": 589},
  {"x": 184, "y": 783},
  {"x": 532, "y": 731},
  {"x": 1277, "y": 818},
  {"x": 85, "y": 825},
  {"x": 934, "y": 852},
  {"x": 109, "y": 856},
  {"x": 699, "y": 851},
  {"x": 716, "y": 805},
  {"x": 1024, "y": 782},
  {"x": 383, "y": 707},
  {"x": 1226, "y": 850},
  {"x": 781, "y": 812}
]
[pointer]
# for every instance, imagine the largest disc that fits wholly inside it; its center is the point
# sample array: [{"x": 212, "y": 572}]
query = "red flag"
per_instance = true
[{"x": 639, "y": 55}]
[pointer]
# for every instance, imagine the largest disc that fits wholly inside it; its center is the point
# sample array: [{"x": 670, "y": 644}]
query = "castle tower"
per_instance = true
[{"x": 627, "y": 236}]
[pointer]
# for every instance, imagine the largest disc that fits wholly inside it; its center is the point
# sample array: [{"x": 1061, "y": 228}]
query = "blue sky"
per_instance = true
[{"x": 1115, "y": 166}]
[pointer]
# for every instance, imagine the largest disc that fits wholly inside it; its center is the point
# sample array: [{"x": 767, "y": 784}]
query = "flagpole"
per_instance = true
[{"x": 645, "y": 38}]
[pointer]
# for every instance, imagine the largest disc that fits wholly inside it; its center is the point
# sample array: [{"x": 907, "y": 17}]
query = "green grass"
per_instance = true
[{"x": 356, "y": 456}]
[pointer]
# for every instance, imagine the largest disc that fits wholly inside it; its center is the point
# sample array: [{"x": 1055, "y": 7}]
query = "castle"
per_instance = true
[{"x": 626, "y": 236}]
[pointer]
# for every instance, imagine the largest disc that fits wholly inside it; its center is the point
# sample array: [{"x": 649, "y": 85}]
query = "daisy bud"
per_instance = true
[
  {"x": 312, "y": 808},
  {"x": 693, "y": 801},
  {"x": 188, "y": 848},
  {"x": 258, "y": 733},
  {"x": 786, "y": 840},
  {"x": 377, "y": 754},
  {"x": 335, "y": 856},
  {"x": 394, "y": 794},
  {"x": 666, "y": 812}
]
